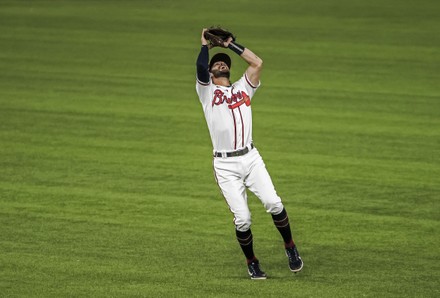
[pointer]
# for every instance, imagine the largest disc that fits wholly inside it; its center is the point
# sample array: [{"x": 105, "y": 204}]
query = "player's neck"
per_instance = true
[{"x": 222, "y": 81}]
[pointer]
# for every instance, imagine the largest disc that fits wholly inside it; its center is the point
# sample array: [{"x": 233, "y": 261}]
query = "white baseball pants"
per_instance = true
[{"x": 234, "y": 175}]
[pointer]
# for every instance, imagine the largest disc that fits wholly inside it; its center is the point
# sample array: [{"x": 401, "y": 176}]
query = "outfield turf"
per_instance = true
[{"x": 106, "y": 183}]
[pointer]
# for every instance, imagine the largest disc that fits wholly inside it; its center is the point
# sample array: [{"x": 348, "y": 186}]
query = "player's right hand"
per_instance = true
[{"x": 203, "y": 39}]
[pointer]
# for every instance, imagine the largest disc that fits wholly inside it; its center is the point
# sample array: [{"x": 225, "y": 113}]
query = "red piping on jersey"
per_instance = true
[
  {"x": 235, "y": 130},
  {"x": 242, "y": 128},
  {"x": 249, "y": 82}
]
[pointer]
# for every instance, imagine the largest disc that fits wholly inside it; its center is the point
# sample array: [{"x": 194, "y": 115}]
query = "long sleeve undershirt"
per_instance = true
[{"x": 202, "y": 65}]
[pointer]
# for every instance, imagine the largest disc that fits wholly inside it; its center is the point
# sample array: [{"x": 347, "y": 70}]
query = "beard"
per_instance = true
[{"x": 221, "y": 74}]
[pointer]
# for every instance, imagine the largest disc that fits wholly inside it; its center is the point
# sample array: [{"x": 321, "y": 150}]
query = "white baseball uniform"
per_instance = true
[{"x": 229, "y": 117}]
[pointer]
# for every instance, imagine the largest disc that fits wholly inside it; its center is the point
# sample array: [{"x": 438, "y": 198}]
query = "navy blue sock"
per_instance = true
[
  {"x": 245, "y": 240},
  {"x": 281, "y": 221}
]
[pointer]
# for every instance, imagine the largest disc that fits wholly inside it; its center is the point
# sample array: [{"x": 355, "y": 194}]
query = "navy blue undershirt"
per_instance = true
[{"x": 202, "y": 65}]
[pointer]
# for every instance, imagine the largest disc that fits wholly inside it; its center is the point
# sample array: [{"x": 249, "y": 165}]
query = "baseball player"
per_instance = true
[{"x": 237, "y": 163}]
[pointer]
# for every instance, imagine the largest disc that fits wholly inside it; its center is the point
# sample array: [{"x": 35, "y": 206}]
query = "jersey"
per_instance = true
[{"x": 228, "y": 113}]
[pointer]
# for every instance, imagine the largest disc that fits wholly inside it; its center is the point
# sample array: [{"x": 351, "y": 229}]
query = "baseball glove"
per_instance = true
[{"x": 217, "y": 36}]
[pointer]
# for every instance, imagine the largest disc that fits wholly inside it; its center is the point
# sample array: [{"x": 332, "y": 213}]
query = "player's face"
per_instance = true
[
  {"x": 220, "y": 65},
  {"x": 220, "y": 69}
]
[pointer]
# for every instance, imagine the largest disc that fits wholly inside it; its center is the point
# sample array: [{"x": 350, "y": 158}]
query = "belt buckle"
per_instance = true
[{"x": 224, "y": 154}]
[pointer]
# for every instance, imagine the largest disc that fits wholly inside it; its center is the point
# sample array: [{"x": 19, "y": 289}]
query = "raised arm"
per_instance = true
[
  {"x": 255, "y": 62},
  {"x": 203, "y": 62},
  {"x": 255, "y": 66}
]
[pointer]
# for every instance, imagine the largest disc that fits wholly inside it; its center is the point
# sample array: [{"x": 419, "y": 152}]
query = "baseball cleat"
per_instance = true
[
  {"x": 255, "y": 272},
  {"x": 295, "y": 261}
]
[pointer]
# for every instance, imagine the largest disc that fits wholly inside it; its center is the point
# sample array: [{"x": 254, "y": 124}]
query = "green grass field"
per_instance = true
[{"x": 106, "y": 184}]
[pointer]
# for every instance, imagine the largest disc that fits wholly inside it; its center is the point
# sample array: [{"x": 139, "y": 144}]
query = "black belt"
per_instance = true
[{"x": 234, "y": 153}]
